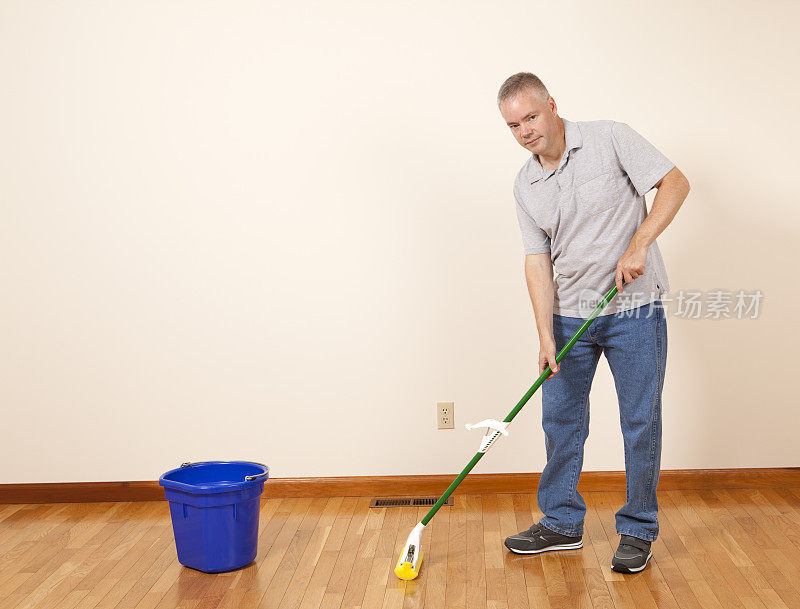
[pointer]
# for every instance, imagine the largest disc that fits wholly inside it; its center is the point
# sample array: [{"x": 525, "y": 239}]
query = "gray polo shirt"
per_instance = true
[{"x": 586, "y": 212}]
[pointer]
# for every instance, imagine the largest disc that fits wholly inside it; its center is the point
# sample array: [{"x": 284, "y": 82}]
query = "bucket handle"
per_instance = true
[
  {"x": 247, "y": 478},
  {"x": 256, "y": 476}
]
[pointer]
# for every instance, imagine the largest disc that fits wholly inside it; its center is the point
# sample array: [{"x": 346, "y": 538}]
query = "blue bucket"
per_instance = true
[{"x": 214, "y": 507}]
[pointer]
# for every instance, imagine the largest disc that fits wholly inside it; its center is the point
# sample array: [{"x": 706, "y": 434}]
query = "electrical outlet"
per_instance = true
[{"x": 445, "y": 415}]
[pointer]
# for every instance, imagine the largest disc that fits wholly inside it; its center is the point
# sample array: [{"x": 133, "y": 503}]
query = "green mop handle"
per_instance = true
[{"x": 611, "y": 293}]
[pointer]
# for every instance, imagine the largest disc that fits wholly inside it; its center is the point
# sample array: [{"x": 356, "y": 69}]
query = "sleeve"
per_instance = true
[
  {"x": 534, "y": 239},
  {"x": 642, "y": 161}
]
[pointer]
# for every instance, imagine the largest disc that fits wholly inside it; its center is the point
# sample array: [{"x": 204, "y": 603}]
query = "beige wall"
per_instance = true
[{"x": 281, "y": 231}]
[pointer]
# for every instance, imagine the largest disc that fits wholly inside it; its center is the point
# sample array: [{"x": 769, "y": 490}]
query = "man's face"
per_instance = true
[{"x": 533, "y": 123}]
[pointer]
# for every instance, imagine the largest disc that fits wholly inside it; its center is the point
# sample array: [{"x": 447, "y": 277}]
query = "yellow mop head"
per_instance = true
[{"x": 411, "y": 558}]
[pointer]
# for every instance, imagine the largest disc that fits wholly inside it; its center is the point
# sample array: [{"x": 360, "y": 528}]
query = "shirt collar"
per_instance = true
[{"x": 572, "y": 138}]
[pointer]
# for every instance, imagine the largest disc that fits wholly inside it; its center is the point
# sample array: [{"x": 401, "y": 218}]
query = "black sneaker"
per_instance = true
[
  {"x": 631, "y": 555},
  {"x": 541, "y": 539}
]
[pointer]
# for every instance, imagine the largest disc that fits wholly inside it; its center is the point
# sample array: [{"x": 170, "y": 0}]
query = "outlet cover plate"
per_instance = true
[{"x": 445, "y": 415}]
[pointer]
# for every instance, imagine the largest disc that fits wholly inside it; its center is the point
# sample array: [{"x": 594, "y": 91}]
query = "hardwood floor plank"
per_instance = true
[
  {"x": 116, "y": 539},
  {"x": 134, "y": 563},
  {"x": 600, "y": 516},
  {"x": 55, "y": 565},
  {"x": 292, "y": 557},
  {"x": 682, "y": 591},
  {"x": 343, "y": 566},
  {"x": 435, "y": 569},
  {"x": 153, "y": 558},
  {"x": 324, "y": 567},
  {"x": 595, "y": 547},
  {"x": 166, "y": 580},
  {"x": 648, "y": 588},
  {"x": 22, "y": 546},
  {"x": 748, "y": 534},
  {"x": 691, "y": 558},
  {"x": 456, "y": 579},
  {"x": 216, "y": 591},
  {"x": 591, "y": 557},
  {"x": 513, "y": 564},
  {"x": 273, "y": 515},
  {"x": 282, "y": 529},
  {"x": 494, "y": 553},
  {"x": 358, "y": 574},
  {"x": 29, "y": 514},
  {"x": 475, "y": 567},
  {"x": 48, "y": 535},
  {"x": 572, "y": 566},
  {"x": 309, "y": 559},
  {"x": 7, "y": 509},
  {"x": 149, "y": 569},
  {"x": 708, "y": 553},
  {"x": 716, "y": 548},
  {"x": 525, "y": 515},
  {"x": 395, "y": 589},
  {"x": 775, "y": 556}
]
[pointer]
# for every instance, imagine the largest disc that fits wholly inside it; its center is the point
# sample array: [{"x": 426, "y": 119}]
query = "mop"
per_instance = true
[{"x": 410, "y": 562}]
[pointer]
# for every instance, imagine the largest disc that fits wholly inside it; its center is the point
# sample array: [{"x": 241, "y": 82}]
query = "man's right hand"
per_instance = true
[{"x": 547, "y": 357}]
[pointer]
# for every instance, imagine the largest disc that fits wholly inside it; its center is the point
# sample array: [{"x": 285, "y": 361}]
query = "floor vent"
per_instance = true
[{"x": 407, "y": 502}]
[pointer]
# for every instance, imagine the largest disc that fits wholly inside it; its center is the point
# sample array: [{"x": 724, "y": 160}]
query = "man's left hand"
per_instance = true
[{"x": 631, "y": 264}]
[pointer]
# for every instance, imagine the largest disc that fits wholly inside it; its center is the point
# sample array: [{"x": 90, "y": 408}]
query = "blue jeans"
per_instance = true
[{"x": 635, "y": 345}]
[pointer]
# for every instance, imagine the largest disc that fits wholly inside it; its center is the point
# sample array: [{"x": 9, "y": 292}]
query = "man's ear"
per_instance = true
[{"x": 552, "y": 103}]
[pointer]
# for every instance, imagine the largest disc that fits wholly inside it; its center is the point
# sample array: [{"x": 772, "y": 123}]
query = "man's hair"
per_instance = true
[{"x": 519, "y": 82}]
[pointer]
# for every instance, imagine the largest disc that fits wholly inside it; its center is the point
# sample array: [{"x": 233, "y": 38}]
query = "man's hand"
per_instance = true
[
  {"x": 631, "y": 264},
  {"x": 547, "y": 356}
]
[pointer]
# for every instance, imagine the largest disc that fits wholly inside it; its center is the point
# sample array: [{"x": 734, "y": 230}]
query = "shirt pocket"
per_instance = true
[{"x": 596, "y": 194}]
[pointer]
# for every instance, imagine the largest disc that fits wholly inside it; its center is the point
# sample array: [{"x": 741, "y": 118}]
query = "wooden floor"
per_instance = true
[{"x": 717, "y": 548}]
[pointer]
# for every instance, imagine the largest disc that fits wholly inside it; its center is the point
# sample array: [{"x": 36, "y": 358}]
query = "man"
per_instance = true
[{"x": 581, "y": 210}]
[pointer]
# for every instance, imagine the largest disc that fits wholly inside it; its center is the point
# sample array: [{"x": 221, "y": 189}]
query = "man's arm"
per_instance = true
[
  {"x": 539, "y": 277},
  {"x": 672, "y": 191}
]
